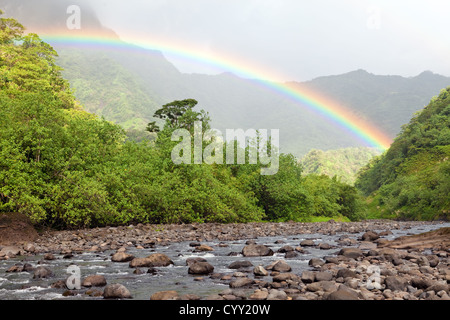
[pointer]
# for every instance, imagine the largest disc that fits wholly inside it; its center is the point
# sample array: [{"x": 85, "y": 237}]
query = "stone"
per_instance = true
[
  {"x": 241, "y": 282},
  {"x": 260, "y": 271},
  {"x": 256, "y": 250},
  {"x": 49, "y": 256},
  {"x": 10, "y": 251},
  {"x": 259, "y": 295},
  {"x": 122, "y": 257},
  {"x": 203, "y": 247},
  {"x": 353, "y": 253},
  {"x": 165, "y": 295},
  {"x": 308, "y": 276},
  {"x": 433, "y": 260},
  {"x": 276, "y": 295},
  {"x": 200, "y": 268},
  {"x": 153, "y": 260},
  {"x": 323, "y": 276},
  {"x": 370, "y": 236},
  {"x": 285, "y": 277},
  {"x": 316, "y": 262},
  {"x": 324, "y": 246},
  {"x": 190, "y": 261},
  {"x": 281, "y": 266},
  {"x": 116, "y": 291},
  {"x": 94, "y": 281},
  {"x": 345, "y": 273},
  {"x": 396, "y": 283},
  {"x": 326, "y": 286},
  {"x": 42, "y": 273},
  {"x": 307, "y": 243},
  {"x": 240, "y": 264},
  {"x": 342, "y": 294}
]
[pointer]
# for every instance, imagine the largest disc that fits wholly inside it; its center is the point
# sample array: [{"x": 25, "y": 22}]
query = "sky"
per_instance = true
[{"x": 295, "y": 40}]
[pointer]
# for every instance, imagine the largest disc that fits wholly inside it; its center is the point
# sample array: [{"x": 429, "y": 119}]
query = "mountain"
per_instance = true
[
  {"x": 412, "y": 179},
  {"x": 127, "y": 86}
]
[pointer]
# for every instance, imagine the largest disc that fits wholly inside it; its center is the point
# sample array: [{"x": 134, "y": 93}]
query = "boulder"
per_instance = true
[
  {"x": 307, "y": 243},
  {"x": 323, "y": 276},
  {"x": 285, "y": 277},
  {"x": 122, "y": 257},
  {"x": 190, "y": 261},
  {"x": 281, "y": 266},
  {"x": 308, "y": 276},
  {"x": 153, "y": 260},
  {"x": 200, "y": 268},
  {"x": 353, "y": 253},
  {"x": 345, "y": 273},
  {"x": 42, "y": 273},
  {"x": 94, "y": 281},
  {"x": 316, "y": 262},
  {"x": 396, "y": 283},
  {"x": 256, "y": 250},
  {"x": 241, "y": 282},
  {"x": 240, "y": 264},
  {"x": 203, "y": 247},
  {"x": 116, "y": 291},
  {"x": 10, "y": 251},
  {"x": 370, "y": 236},
  {"x": 341, "y": 294},
  {"x": 260, "y": 271},
  {"x": 325, "y": 286}
]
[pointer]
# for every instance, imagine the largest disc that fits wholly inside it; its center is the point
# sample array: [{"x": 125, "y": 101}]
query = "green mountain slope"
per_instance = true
[
  {"x": 412, "y": 179},
  {"x": 342, "y": 163}
]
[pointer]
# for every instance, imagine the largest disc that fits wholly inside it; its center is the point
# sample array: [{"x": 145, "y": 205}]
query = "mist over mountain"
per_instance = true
[{"x": 128, "y": 86}]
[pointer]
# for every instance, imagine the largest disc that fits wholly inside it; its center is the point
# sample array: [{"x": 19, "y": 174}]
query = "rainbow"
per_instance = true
[{"x": 313, "y": 101}]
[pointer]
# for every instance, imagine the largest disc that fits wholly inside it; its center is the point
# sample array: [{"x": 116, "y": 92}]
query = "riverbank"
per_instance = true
[{"x": 256, "y": 261}]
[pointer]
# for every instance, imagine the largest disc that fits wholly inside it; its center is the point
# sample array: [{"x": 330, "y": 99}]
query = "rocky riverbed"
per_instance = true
[{"x": 257, "y": 261}]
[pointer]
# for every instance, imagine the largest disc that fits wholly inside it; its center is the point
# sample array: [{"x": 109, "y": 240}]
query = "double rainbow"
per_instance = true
[{"x": 367, "y": 133}]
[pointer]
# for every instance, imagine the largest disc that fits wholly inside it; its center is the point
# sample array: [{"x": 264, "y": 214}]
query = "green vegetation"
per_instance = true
[
  {"x": 342, "y": 163},
  {"x": 67, "y": 168},
  {"x": 412, "y": 179}
]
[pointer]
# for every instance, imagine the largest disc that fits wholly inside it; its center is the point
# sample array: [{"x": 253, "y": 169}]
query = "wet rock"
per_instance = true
[
  {"x": 122, "y": 257},
  {"x": 200, "y": 268},
  {"x": 324, "y": 246},
  {"x": 285, "y": 277},
  {"x": 153, "y": 260},
  {"x": 42, "y": 273},
  {"x": 259, "y": 295},
  {"x": 240, "y": 264},
  {"x": 285, "y": 249},
  {"x": 116, "y": 291},
  {"x": 256, "y": 250},
  {"x": 94, "y": 281},
  {"x": 307, "y": 243},
  {"x": 203, "y": 247}
]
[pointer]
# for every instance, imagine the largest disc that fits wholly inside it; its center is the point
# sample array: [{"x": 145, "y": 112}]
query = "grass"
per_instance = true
[{"x": 325, "y": 219}]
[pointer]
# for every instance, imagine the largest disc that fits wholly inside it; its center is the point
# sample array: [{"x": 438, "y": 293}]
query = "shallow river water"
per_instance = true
[{"x": 21, "y": 285}]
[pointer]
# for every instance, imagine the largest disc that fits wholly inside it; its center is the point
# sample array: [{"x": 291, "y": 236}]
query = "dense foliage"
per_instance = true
[
  {"x": 341, "y": 163},
  {"x": 412, "y": 179},
  {"x": 66, "y": 168}
]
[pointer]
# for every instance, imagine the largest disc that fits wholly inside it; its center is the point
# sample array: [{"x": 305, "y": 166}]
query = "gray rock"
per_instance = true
[
  {"x": 260, "y": 271},
  {"x": 240, "y": 264},
  {"x": 396, "y": 283},
  {"x": 256, "y": 250},
  {"x": 308, "y": 276},
  {"x": 370, "y": 236},
  {"x": 281, "y": 266},
  {"x": 42, "y": 273},
  {"x": 316, "y": 262},
  {"x": 324, "y": 276}
]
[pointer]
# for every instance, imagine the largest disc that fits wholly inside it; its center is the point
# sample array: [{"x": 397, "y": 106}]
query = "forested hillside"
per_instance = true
[
  {"x": 66, "y": 168},
  {"x": 342, "y": 163},
  {"x": 412, "y": 179}
]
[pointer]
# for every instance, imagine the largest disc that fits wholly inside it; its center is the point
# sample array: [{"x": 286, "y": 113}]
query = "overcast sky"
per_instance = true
[{"x": 297, "y": 39}]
